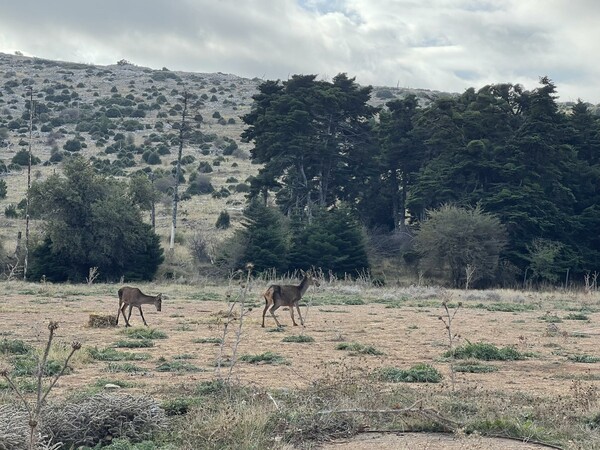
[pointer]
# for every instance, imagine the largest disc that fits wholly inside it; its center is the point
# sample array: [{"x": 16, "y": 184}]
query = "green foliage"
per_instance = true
[
  {"x": 90, "y": 223},
  {"x": 72, "y": 145},
  {"x": 14, "y": 347},
  {"x": 110, "y": 354},
  {"x": 298, "y": 338},
  {"x": 22, "y": 158},
  {"x": 223, "y": 221},
  {"x": 177, "y": 366},
  {"x": 420, "y": 373},
  {"x": 333, "y": 241},
  {"x": 474, "y": 368},
  {"x": 264, "y": 235},
  {"x": 207, "y": 340},
  {"x": 454, "y": 238},
  {"x": 144, "y": 333},
  {"x": 264, "y": 358},
  {"x": 584, "y": 358},
  {"x": 143, "y": 343},
  {"x": 485, "y": 352},
  {"x": 358, "y": 349}
]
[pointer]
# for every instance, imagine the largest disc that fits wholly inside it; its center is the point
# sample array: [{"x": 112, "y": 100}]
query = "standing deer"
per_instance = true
[
  {"x": 287, "y": 295},
  {"x": 130, "y": 296}
]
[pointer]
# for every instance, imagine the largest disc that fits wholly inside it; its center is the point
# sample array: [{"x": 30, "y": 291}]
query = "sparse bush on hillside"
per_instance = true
[
  {"x": 200, "y": 185},
  {"x": 22, "y": 158},
  {"x": 223, "y": 221}
]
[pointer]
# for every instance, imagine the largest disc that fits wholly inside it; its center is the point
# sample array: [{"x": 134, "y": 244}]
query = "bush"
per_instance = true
[
  {"x": 22, "y": 158},
  {"x": 102, "y": 418},
  {"x": 223, "y": 221},
  {"x": 484, "y": 351},
  {"x": 421, "y": 373},
  {"x": 72, "y": 145}
]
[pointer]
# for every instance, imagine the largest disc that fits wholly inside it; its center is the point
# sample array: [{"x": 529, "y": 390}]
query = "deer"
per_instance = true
[
  {"x": 287, "y": 295},
  {"x": 130, "y": 296}
]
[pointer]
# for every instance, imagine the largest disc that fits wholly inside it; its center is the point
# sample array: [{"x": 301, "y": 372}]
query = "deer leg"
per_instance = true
[
  {"x": 267, "y": 304},
  {"x": 124, "y": 316},
  {"x": 142, "y": 314},
  {"x": 272, "y": 310},
  {"x": 118, "y": 314},
  {"x": 300, "y": 314},
  {"x": 292, "y": 315},
  {"x": 129, "y": 315}
]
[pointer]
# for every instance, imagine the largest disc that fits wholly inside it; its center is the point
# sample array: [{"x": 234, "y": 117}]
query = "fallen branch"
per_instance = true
[{"x": 428, "y": 413}]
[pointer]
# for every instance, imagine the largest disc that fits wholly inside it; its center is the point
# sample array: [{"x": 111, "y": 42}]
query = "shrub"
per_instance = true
[
  {"x": 299, "y": 339},
  {"x": 223, "y": 221},
  {"x": 421, "y": 373},
  {"x": 72, "y": 145},
  {"x": 14, "y": 347},
  {"x": 485, "y": 352},
  {"x": 102, "y": 418},
  {"x": 144, "y": 333},
  {"x": 355, "y": 348},
  {"x": 22, "y": 158},
  {"x": 264, "y": 358}
]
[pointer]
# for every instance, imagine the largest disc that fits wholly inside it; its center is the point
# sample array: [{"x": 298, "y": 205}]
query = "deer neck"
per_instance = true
[{"x": 304, "y": 284}]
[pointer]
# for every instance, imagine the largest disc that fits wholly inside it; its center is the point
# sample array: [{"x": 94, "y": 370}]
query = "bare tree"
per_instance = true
[
  {"x": 182, "y": 129},
  {"x": 26, "y": 260}
]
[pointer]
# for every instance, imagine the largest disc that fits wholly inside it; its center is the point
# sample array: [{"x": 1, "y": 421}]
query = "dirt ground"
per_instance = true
[{"x": 407, "y": 335}]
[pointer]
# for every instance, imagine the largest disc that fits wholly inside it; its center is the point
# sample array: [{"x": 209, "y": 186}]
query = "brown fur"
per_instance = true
[
  {"x": 278, "y": 295},
  {"x": 130, "y": 296}
]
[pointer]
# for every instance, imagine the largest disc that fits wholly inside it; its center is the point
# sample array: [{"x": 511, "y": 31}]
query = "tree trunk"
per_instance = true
[
  {"x": 26, "y": 259},
  {"x": 178, "y": 173}
]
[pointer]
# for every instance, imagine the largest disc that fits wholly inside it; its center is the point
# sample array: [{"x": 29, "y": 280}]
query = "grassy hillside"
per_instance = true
[{"x": 117, "y": 116}]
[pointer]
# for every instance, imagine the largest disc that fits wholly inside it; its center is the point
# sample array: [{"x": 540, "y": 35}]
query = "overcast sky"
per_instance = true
[{"x": 446, "y": 45}]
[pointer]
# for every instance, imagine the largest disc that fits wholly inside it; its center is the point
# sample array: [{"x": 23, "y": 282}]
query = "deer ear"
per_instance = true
[{"x": 302, "y": 272}]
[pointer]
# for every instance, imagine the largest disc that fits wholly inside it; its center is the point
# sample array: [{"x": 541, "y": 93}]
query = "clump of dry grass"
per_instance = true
[{"x": 102, "y": 321}]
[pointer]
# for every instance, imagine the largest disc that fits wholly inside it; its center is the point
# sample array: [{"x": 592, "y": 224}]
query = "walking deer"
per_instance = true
[
  {"x": 130, "y": 296},
  {"x": 287, "y": 295}
]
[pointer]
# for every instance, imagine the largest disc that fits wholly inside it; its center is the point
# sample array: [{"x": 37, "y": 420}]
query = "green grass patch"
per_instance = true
[
  {"x": 505, "y": 307},
  {"x": 486, "y": 352},
  {"x": 27, "y": 365},
  {"x": 264, "y": 358},
  {"x": 178, "y": 406},
  {"x": 551, "y": 318},
  {"x": 525, "y": 429},
  {"x": 124, "y": 367},
  {"x": 577, "y": 316},
  {"x": 474, "y": 368},
  {"x": 358, "y": 349},
  {"x": 298, "y": 338},
  {"x": 14, "y": 347},
  {"x": 25, "y": 385},
  {"x": 421, "y": 373},
  {"x": 276, "y": 329},
  {"x": 143, "y": 343},
  {"x": 207, "y": 340},
  {"x": 110, "y": 354},
  {"x": 144, "y": 333},
  {"x": 177, "y": 366},
  {"x": 583, "y": 358}
]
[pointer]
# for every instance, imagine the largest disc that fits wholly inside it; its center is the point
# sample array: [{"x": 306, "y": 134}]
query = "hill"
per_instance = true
[{"x": 117, "y": 115}]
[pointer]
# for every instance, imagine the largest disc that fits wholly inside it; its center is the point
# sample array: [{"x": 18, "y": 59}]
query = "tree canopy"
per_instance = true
[{"x": 91, "y": 222}]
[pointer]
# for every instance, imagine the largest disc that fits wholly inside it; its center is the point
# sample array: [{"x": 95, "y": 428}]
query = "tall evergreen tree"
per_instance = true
[{"x": 91, "y": 223}]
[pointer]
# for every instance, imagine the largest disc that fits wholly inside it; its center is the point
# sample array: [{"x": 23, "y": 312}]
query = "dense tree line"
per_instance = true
[{"x": 505, "y": 151}]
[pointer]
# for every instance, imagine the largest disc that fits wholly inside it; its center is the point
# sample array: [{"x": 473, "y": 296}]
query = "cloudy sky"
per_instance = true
[{"x": 446, "y": 45}]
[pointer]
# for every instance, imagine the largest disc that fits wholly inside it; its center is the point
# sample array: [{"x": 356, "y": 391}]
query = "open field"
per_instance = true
[{"x": 557, "y": 334}]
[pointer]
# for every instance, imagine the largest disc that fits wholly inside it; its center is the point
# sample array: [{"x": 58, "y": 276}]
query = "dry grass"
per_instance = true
[{"x": 545, "y": 387}]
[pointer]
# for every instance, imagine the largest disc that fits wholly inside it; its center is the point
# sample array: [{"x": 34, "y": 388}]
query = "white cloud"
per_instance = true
[{"x": 446, "y": 45}]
